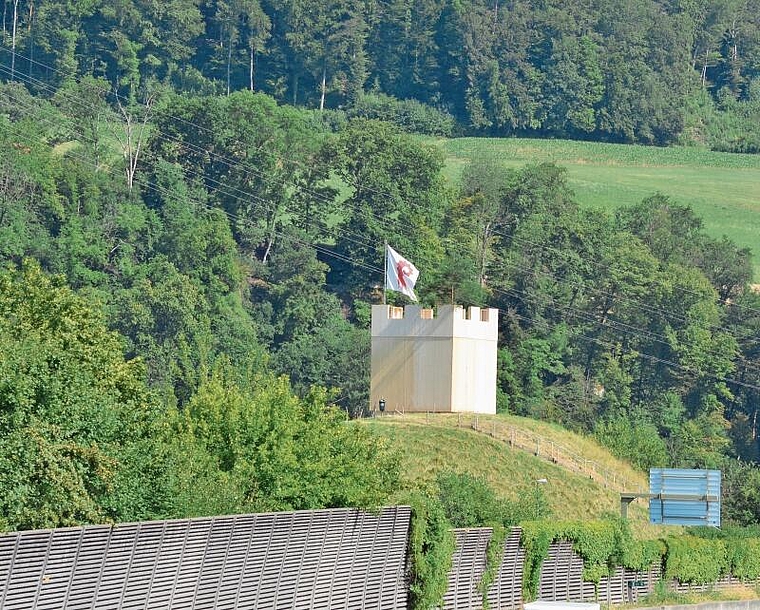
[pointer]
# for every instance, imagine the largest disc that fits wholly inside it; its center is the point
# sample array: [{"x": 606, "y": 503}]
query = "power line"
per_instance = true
[
  {"x": 165, "y": 192},
  {"x": 643, "y": 355},
  {"x": 351, "y": 261},
  {"x": 387, "y": 221},
  {"x": 230, "y": 191},
  {"x": 224, "y": 189}
]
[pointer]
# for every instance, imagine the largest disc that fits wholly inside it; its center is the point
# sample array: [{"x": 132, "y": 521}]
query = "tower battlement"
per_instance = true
[
  {"x": 445, "y": 321},
  {"x": 434, "y": 360}
]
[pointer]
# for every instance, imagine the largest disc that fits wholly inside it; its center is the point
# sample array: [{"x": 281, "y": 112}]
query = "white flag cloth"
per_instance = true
[{"x": 400, "y": 275}]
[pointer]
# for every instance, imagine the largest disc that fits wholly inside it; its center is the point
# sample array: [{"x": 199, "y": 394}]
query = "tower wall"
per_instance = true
[{"x": 427, "y": 362}]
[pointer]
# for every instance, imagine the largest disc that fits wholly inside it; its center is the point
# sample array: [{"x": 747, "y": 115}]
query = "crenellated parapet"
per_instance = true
[{"x": 444, "y": 321}]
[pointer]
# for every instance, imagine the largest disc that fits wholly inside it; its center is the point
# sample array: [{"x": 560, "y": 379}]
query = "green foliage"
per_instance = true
[
  {"x": 741, "y": 493},
  {"x": 535, "y": 68},
  {"x": 696, "y": 560},
  {"x": 396, "y": 195},
  {"x": 536, "y": 538},
  {"x": 280, "y": 452},
  {"x": 254, "y": 240},
  {"x": 431, "y": 546},
  {"x": 744, "y": 558},
  {"x": 633, "y": 439},
  {"x": 742, "y": 545},
  {"x": 76, "y": 420},
  {"x": 469, "y": 501},
  {"x": 494, "y": 558},
  {"x": 410, "y": 115},
  {"x": 726, "y": 124},
  {"x": 602, "y": 545}
]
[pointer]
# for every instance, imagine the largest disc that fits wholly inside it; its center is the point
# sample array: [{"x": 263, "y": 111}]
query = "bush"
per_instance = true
[
  {"x": 412, "y": 116},
  {"x": 469, "y": 501},
  {"x": 690, "y": 559},
  {"x": 601, "y": 544},
  {"x": 744, "y": 558},
  {"x": 729, "y": 125},
  {"x": 431, "y": 546},
  {"x": 743, "y": 547},
  {"x": 637, "y": 441}
]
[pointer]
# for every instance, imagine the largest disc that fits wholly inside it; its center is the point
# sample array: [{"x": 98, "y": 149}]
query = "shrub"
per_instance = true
[
  {"x": 635, "y": 440},
  {"x": 410, "y": 115},
  {"x": 696, "y": 560},
  {"x": 744, "y": 558},
  {"x": 601, "y": 544},
  {"x": 431, "y": 546},
  {"x": 469, "y": 501}
]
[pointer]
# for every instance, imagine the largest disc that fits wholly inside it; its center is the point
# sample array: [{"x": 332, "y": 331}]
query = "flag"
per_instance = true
[{"x": 400, "y": 274}]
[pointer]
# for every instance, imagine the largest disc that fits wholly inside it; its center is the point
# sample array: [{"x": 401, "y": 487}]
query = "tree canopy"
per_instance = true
[
  {"x": 189, "y": 262},
  {"x": 643, "y": 71}
]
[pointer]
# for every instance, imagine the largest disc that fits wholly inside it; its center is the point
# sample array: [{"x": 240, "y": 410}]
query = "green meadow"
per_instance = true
[
  {"x": 428, "y": 447},
  {"x": 722, "y": 188}
]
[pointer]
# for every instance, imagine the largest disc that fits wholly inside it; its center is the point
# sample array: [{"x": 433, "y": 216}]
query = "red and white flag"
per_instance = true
[{"x": 400, "y": 275}]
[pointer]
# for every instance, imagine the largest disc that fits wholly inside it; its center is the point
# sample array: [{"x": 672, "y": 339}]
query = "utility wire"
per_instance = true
[
  {"x": 167, "y": 193},
  {"x": 225, "y": 190},
  {"x": 230, "y": 191},
  {"x": 643, "y": 355},
  {"x": 248, "y": 169},
  {"x": 159, "y": 189}
]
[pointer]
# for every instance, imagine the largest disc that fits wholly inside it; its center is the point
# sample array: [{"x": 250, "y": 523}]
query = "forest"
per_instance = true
[
  {"x": 650, "y": 71},
  {"x": 194, "y": 201}
]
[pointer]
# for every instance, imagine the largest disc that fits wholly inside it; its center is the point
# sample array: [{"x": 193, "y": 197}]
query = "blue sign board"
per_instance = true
[{"x": 684, "y": 497}]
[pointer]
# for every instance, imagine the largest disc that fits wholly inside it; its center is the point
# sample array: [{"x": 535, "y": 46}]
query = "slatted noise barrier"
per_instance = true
[{"x": 339, "y": 558}]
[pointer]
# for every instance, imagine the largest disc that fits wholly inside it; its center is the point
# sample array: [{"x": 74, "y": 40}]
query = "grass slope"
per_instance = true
[
  {"x": 722, "y": 188},
  {"x": 428, "y": 447}
]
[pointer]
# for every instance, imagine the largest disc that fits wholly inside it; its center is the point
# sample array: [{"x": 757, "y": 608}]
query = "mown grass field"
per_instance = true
[
  {"x": 722, "y": 188},
  {"x": 428, "y": 448}
]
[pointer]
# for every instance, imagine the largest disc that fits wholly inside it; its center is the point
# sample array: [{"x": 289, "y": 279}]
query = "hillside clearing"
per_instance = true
[{"x": 430, "y": 446}]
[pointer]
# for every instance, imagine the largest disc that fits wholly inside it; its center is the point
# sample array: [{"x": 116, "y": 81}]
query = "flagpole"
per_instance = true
[{"x": 385, "y": 269}]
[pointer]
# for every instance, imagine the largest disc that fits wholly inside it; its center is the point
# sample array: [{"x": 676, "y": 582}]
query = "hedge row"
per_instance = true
[{"x": 603, "y": 545}]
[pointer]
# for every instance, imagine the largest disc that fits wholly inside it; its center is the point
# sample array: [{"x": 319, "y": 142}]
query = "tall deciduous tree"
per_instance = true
[
  {"x": 285, "y": 453},
  {"x": 396, "y": 195},
  {"x": 72, "y": 411}
]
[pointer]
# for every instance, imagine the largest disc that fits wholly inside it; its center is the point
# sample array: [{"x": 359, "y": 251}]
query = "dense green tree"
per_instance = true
[
  {"x": 576, "y": 84},
  {"x": 633, "y": 438},
  {"x": 618, "y": 70},
  {"x": 742, "y": 411},
  {"x": 286, "y": 453},
  {"x": 403, "y": 47},
  {"x": 396, "y": 196},
  {"x": 335, "y": 355},
  {"x": 75, "y": 417},
  {"x": 248, "y": 238},
  {"x": 260, "y": 163}
]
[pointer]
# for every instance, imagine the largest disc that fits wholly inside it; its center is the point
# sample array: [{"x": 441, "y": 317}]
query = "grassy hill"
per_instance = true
[
  {"x": 723, "y": 188},
  {"x": 430, "y": 445}
]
